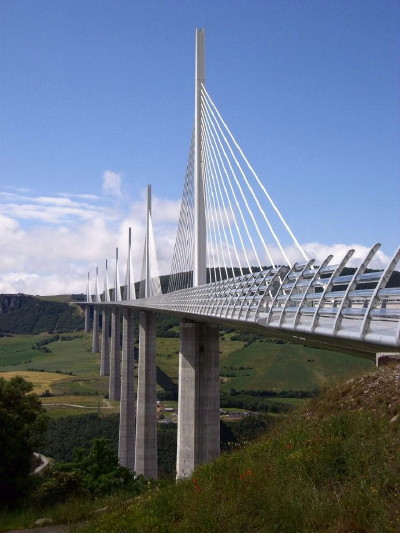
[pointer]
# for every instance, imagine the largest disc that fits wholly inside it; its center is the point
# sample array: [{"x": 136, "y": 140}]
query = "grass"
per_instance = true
[
  {"x": 288, "y": 367},
  {"x": 74, "y": 511},
  {"x": 85, "y": 388},
  {"x": 41, "y": 380},
  {"x": 59, "y": 406},
  {"x": 321, "y": 470},
  {"x": 61, "y": 298},
  {"x": 74, "y": 356},
  {"x": 16, "y": 351},
  {"x": 336, "y": 472},
  {"x": 265, "y": 366}
]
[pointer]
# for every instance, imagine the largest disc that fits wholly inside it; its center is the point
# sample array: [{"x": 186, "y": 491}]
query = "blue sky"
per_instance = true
[{"x": 96, "y": 101}]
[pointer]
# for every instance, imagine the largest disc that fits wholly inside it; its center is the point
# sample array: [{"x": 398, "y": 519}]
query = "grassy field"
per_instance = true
[
  {"x": 41, "y": 381},
  {"x": 17, "y": 353},
  {"x": 84, "y": 390},
  {"x": 62, "y": 298},
  {"x": 263, "y": 365},
  {"x": 259, "y": 365}
]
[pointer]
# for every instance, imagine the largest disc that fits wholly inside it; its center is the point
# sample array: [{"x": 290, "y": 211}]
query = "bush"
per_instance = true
[
  {"x": 56, "y": 487},
  {"x": 99, "y": 470},
  {"x": 22, "y": 424}
]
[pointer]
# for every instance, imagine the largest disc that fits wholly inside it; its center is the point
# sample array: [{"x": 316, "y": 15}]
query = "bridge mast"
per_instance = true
[
  {"x": 147, "y": 248},
  {"x": 200, "y": 243}
]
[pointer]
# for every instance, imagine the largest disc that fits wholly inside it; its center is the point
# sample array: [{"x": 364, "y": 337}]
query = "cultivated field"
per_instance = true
[
  {"x": 41, "y": 381},
  {"x": 70, "y": 371}
]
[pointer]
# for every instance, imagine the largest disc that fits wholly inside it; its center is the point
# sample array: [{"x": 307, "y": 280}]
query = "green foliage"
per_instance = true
[
  {"x": 91, "y": 473},
  {"x": 43, "y": 342},
  {"x": 57, "y": 486},
  {"x": 336, "y": 474},
  {"x": 243, "y": 400},
  {"x": 22, "y": 424},
  {"x": 238, "y": 433},
  {"x": 99, "y": 470},
  {"x": 66, "y": 433},
  {"x": 29, "y": 315}
]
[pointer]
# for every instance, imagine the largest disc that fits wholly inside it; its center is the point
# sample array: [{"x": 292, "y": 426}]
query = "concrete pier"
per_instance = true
[
  {"x": 87, "y": 318},
  {"x": 105, "y": 343},
  {"x": 126, "y": 449},
  {"x": 114, "y": 391},
  {"x": 96, "y": 331},
  {"x": 387, "y": 358},
  {"x": 146, "y": 415},
  {"x": 198, "y": 403}
]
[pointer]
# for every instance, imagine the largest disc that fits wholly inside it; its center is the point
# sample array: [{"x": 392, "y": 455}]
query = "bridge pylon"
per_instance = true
[
  {"x": 200, "y": 232},
  {"x": 146, "y": 413}
]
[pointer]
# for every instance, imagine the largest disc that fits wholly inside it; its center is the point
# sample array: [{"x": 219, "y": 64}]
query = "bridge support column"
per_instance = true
[
  {"x": 146, "y": 416},
  {"x": 96, "y": 331},
  {"x": 126, "y": 448},
  {"x": 198, "y": 403},
  {"x": 87, "y": 318},
  {"x": 105, "y": 343},
  {"x": 114, "y": 392}
]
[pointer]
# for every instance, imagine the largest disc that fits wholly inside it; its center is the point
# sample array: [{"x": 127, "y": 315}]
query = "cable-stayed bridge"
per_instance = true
[{"x": 236, "y": 262}]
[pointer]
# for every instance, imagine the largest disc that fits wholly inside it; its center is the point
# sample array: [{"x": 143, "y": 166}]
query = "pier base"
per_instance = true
[{"x": 386, "y": 358}]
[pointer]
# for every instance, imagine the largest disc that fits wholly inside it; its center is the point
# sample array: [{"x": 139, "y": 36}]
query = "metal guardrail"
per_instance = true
[{"x": 317, "y": 300}]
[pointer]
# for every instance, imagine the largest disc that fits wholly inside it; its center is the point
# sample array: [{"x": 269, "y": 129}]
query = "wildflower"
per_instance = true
[
  {"x": 246, "y": 474},
  {"x": 197, "y": 487}
]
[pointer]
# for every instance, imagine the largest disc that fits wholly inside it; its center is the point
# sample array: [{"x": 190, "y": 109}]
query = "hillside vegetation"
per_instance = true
[
  {"x": 20, "y": 313},
  {"x": 331, "y": 467}
]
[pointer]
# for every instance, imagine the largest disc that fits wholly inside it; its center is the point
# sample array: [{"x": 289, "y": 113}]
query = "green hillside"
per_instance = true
[
  {"x": 265, "y": 365},
  {"x": 20, "y": 313},
  {"x": 332, "y": 467}
]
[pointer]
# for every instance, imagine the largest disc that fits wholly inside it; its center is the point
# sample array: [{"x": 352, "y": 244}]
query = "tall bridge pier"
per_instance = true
[
  {"x": 127, "y": 429},
  {"x": 198, "y": 402},
  {"x": 105, "y": 343},
  {"x": 96, "y": 331},
  {"x": 87, "y": 319},
  {"x": 146, "y": 416},
  {"x": 114, "y": 391}
]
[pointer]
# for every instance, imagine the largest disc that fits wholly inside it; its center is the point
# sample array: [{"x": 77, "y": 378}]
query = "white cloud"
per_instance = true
[
  {"x": 112, "y": 183},
  {"x": 50, "y": 243}
]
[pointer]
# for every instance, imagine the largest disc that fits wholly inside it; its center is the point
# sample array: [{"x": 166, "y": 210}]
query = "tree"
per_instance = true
[
  {"x": 100, "y": 471},
  {"x": 23, "y": 422}
]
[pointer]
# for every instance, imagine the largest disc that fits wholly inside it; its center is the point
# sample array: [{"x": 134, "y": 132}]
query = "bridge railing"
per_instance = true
[{"x": 319, "y": 300}]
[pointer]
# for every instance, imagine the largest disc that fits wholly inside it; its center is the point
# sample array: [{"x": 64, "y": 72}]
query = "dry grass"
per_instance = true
[
  {"x": 374, "y": 391},
  {"x": 41, "y": 380}
]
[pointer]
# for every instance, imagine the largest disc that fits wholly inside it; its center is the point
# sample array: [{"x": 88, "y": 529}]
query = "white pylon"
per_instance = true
[
  {"x": 129, "y": 288},
  {"x": 106, "y": 286},
  {"x": 147, "y": 290},
  {"x": 200, "y": 231},
  {"x": 117, "y": 285},
  {"x": 96, "y": 288},
  {"x": 88, "y": 292}
]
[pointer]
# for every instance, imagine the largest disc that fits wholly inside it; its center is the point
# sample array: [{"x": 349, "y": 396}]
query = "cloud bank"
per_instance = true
[{"x": 49, "y": 244}]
